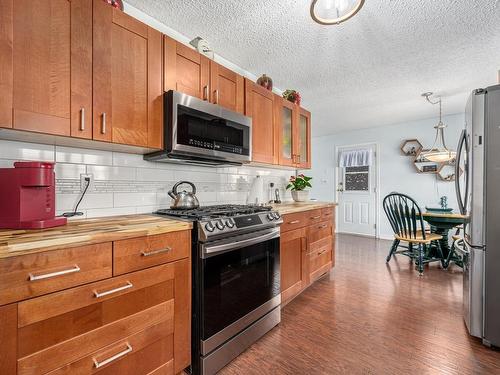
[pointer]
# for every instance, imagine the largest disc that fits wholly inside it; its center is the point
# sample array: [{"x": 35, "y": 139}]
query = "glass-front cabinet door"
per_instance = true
[
  {"x": 303, "y": 139},
  {"x": 286, "y": 121}
]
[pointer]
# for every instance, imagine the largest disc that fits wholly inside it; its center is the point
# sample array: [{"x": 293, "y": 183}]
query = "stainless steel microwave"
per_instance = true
[{"x": 199, "y": 132}]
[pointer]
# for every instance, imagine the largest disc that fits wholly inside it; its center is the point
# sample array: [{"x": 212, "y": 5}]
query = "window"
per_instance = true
[{"x": 357, "y": 178}]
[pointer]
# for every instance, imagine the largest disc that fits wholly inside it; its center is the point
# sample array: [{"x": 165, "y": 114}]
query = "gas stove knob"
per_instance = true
[
  {"x": 220, "y": 225},
  {"x": 209, "y": 226},
  {"x": 270, "y": 216},
  {"x": 276, "y": 215},
  {"x": 229, "y": 223}
]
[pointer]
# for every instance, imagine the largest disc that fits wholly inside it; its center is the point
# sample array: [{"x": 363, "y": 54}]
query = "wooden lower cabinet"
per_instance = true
[
  {"x": 292, "y": 259},
  {"x": 306, "y": 250},
  {"x": 134, "y": 323}
]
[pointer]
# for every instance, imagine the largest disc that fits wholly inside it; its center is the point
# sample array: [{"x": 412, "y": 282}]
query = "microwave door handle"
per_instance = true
[
  {"x": 461, "y": 204},
  {"x": 216, "y": 249}
]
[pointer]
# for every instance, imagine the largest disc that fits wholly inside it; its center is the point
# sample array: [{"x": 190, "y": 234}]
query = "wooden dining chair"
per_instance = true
[{"x": 406, "y": 221}]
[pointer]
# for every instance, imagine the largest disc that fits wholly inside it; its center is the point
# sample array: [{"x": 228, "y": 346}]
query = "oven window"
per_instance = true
[
  {"x": 199, "y": 129},
  {"x": 237, "y": 282}
]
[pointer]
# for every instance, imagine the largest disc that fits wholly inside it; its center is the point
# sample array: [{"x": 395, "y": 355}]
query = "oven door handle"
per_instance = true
[{"x": 211, "y": 250}]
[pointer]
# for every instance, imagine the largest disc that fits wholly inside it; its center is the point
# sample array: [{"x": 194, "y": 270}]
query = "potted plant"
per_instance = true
[{"x": 298, "y": 186}]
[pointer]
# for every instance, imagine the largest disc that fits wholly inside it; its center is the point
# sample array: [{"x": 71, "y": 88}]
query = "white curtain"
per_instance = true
[{"x": 355, "y": 158}]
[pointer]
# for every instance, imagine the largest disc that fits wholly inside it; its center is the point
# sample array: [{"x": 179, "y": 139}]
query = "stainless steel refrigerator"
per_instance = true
[{"x": 478, "y": 194}]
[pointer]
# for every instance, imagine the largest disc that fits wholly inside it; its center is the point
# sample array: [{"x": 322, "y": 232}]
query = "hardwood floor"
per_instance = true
[{"x": 367, "y": 317}]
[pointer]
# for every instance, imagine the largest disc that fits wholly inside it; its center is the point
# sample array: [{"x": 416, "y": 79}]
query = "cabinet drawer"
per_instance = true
[
  {"x": 293, "y": 221},
  {"x": 31, "y": 275},
  {"x": 143, "y": 252},
  {"x": 320, "y": 258},
  {"x": 142, "y": 353},
  {"x": 312, "y": 216},
  {"x": 319, "y": 231},
  {"x": 93, "y": 316},
  {"x": 327, "y": 213}
]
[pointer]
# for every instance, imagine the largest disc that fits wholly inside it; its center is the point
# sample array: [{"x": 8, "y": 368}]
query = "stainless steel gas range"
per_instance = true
[{"x": 236, "y": 280}]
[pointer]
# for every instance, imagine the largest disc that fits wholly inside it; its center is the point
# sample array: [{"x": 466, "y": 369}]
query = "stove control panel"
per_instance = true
[{"x": 208, "y": 228}]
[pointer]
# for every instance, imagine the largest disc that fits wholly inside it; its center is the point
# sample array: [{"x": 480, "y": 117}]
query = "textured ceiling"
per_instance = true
[{"x": 369, "y": 71}]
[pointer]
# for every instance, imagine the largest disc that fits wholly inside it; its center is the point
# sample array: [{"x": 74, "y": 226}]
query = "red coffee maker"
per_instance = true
[{"x": 27, "y": 196}]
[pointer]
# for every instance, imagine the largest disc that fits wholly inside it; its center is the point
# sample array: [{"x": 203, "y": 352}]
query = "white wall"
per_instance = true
[{"x": 396, "y": 170}]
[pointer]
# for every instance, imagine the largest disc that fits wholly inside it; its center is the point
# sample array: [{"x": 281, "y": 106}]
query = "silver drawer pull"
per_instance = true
[
  {"x": 155, "y": 252},
  {"x": 116, "y": 290},
  {"x": 98, "y": 364},
  {"x": 294, "y": 222},
  {"x": 315, "y": 217},
  {"x": 74, "y": 269}
]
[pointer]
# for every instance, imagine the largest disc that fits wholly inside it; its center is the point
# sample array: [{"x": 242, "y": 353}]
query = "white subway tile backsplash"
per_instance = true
[
  {"x": 102, "y": 212},
  {"x": 101, "y": 172},
  {"x": 5, "y": 163},
  {"x": 197, "y": 176},
  {"x": 83, "y": 156},
  {"x": 131, "y": 160},
  {"x": 69, "y": 171},
  {"x": 67, "y": 202},
  {"x": 134, "y": 199},
  {"x": 127, "y": 184},
  {"x": 26, "y": 151},
  {"x": 148, "y": 174}
]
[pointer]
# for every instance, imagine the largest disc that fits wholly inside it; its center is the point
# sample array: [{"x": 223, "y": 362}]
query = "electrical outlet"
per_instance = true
[{"x": 83, "y": 182}]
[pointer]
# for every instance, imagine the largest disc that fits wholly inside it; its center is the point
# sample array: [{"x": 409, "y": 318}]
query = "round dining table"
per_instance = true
[{"x": 441, "y": 223}]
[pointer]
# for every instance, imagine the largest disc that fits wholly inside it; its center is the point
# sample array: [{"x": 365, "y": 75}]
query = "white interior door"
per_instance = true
[{"x": 356, "y": 196}]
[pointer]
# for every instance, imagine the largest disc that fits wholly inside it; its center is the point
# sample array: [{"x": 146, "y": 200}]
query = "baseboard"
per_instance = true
[{"x": 358, "y": 234}]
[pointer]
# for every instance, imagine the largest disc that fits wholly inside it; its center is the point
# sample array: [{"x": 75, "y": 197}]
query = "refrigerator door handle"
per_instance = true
[{"x": 461, "y": 201}]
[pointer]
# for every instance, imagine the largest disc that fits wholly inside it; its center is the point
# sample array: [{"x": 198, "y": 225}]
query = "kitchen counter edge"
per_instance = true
[
  {"x": 81, "y": 232},
  {"x": 294, "y": 207}
]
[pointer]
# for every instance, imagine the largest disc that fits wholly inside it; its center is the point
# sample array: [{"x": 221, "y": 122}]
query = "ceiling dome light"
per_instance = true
[{"x": 333, "y": 12}]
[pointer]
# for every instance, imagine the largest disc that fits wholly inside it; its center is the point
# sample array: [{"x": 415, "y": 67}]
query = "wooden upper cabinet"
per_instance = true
[
  {"x": 285, "y": 114},
  {"x": 127, "y": 71},
  {"x": 293, "y": 133},
  {"x": 304, "y": 139},
  {"x": 186, "y": 70},
  {"x": 259, "y": 105},
  {"x": 227, "y": 88},
  {"x": 45, "y": 66}
]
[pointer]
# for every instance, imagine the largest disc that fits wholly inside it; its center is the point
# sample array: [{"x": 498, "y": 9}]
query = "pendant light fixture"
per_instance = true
[
  {"x": 438, "y": 153},
  {"x": 333, "y": 12}
]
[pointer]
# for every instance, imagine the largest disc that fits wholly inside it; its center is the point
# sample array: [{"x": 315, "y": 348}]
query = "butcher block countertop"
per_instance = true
[
  {"x": 293, "y": 207},
  {"x": 82, "y": 232}
]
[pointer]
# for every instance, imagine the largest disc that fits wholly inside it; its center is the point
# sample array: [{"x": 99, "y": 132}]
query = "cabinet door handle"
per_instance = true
[
  {"x": 322, "y": 251},
  {"x": 82, "y": 119},
  {"x": 49, "y": 275},
  {"x": 205, "y": 92},
  {"x": 322, "y": 226},
  {"x": 103, "y": 127},
  {"x": 155, "y": 252},
  {"x": 116, "y": 290},
  {"x": 98, "y": 364},
  {"x": 315, "y": 217},
  {"x": 216, "y": 92},
  {"x": 294, "y": 222}
]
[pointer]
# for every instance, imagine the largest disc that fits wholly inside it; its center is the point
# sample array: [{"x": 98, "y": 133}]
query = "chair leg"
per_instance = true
[
  {"x": 394, "y": 247},
  {"x": 410, "y": 250},
  {"x": 420, "y": 262},
  {"x": 444, "y": 262}
]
